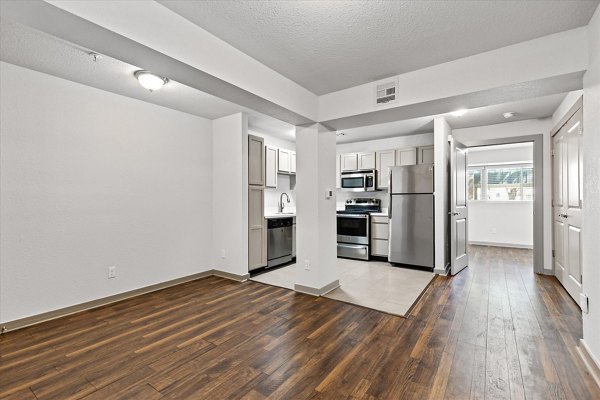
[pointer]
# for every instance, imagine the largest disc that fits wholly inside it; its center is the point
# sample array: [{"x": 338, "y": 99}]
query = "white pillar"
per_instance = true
[
  {"x": 230, "y": 194},
  {"x": 441, "y": 131},
  {"x": 316, "y": 241}
]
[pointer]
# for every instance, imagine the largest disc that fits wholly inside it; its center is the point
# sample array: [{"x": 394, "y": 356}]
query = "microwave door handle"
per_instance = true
[{"x": 365, "y": 180}]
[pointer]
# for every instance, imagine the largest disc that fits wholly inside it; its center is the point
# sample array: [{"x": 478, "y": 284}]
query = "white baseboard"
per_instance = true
[
  {"x": 317, "y": 291},
  {"x": 590, "y": 361},
  {"x": 88, "y": 305},
  {"x": 495, "y": 244}
]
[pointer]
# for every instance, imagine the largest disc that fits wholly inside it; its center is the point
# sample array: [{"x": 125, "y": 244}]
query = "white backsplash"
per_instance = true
[{"x": 287, "y": 184}]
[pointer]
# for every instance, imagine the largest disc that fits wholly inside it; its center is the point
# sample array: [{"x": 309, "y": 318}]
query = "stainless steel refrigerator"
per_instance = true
[{"x": 411, "y": 215}]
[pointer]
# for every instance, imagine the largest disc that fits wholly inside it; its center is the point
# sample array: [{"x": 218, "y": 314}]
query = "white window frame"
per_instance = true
[{"x": 484, "y": 180}]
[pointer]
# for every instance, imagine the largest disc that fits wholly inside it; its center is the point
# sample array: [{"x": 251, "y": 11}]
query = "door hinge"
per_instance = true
[
  {"x": 553, "y": 253},
  {"x": 553, "y": 152}
]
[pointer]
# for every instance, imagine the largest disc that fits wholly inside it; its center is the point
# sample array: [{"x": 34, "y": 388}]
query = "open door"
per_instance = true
[{"x": 459, "y": 258}]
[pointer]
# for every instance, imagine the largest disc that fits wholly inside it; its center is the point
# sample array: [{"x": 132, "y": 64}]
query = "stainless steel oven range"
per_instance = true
[{"x": 353, "y": 228}]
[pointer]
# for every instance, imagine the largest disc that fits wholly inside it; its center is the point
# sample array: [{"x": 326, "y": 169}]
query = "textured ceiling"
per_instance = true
[{"x": 331, "y": 45}]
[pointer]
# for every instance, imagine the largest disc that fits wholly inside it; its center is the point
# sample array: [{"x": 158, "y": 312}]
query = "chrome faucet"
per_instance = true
[{"x": 281, "y": 201}]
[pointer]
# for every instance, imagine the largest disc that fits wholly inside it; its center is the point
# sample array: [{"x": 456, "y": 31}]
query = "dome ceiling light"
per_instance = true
[{"x": 149, "y": 80}]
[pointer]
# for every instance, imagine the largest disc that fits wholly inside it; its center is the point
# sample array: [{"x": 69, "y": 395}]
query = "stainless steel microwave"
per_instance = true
[{"x": 359, "y": 181}]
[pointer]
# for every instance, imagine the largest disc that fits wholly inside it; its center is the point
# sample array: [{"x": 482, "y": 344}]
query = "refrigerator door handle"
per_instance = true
[{"x": 390, "y": 195}]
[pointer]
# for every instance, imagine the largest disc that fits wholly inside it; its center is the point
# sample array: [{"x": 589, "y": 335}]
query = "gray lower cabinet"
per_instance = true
[
  {"x": 379, "y": 236},
  {"x": 257, "y": 243}
]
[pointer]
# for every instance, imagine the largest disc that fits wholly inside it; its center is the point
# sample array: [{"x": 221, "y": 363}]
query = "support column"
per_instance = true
[
  {"x": 316, "y": 225},
  {"x": 441, "y": 131}
]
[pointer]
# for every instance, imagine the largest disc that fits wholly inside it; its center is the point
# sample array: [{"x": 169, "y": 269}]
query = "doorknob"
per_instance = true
[{"x": 453, "y": 213}]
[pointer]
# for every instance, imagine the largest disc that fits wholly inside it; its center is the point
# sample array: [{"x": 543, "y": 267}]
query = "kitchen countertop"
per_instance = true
[
  {"x": 379, "y": 214},
  {"x": 278, "y": 215}
]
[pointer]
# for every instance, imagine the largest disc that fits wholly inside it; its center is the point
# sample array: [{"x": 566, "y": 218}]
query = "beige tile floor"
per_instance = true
[{"x": 371, "y": 284}]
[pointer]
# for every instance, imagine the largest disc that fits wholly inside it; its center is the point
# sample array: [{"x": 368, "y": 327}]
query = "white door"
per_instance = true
[
  {"x": 459, "y": 258},
  {"x": 567, "y": 204}
]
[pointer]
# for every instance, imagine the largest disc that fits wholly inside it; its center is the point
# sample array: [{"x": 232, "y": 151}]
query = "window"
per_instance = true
[
  {"x": 474, "y": 183},
  {"x": 500, "y": 183}
]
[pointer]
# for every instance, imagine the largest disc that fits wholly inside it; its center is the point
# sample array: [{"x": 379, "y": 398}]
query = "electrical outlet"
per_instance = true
[
  {"x": 223, "y": 253},
  {"x": 307, "y": 265},
  {"x": 112, "y": 272}
]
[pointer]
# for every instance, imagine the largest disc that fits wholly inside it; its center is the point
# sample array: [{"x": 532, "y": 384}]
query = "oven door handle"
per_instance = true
[{"x": 361, "y": 216}]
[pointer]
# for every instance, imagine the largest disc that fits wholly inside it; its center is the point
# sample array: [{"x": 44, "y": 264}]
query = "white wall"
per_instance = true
[
  {"x": 501, "y": 223},
  {"x": 441, "y": 185},
  {"x": 591, "y": 189},
  {"x": 523, "y": 128},
  {"x": 91, "y": 179},
  {"x": 285, "y": 183},
  {"x": 230, "y": 193},
  {"x": 502, "y": 154},
  {"x": 316, "y": 218},
  {"x": 400, "y": 142}
]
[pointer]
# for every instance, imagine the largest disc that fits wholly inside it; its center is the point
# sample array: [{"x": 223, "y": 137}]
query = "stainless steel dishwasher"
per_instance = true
[{"x": 280, "y": 237}]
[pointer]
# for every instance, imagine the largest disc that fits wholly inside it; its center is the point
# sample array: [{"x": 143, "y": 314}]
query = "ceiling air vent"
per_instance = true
[{"x": 386, "y": 93}]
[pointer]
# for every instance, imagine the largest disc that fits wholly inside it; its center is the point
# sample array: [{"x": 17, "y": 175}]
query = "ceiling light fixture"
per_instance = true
[
  {"x": 459, "y": 113},
  {"x": 150, "y": 81},
  {"x": 509, "y": 114},
  {"x": 340, "y": 134}
]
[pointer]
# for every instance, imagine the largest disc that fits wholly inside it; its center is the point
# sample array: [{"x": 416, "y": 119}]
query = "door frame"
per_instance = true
[
  {"x": 538, "y": 202},
  {"x": 577, "y": 105}
]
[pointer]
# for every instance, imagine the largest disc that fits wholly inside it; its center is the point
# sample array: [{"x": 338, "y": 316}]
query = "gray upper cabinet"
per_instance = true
[
  {"x": 338, "y": 172},
  {"x": 366, "y": 160},
  {"x": 284, "y": 161},
  {"x": 406, "y": 156},
  {"x": 385, "y": 160},
  {"x": 357, "y": 161},
  {"x": 425, "y": 155},
  {"x": 349, "y": 162},
  {"x": 293, "y": 162},
  {"x": 270, "y": 166},
  {"x": 256, "y": 161}
]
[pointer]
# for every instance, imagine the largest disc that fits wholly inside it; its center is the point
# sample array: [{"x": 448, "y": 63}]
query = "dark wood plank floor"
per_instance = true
[{"x": 494, "y": 331}]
